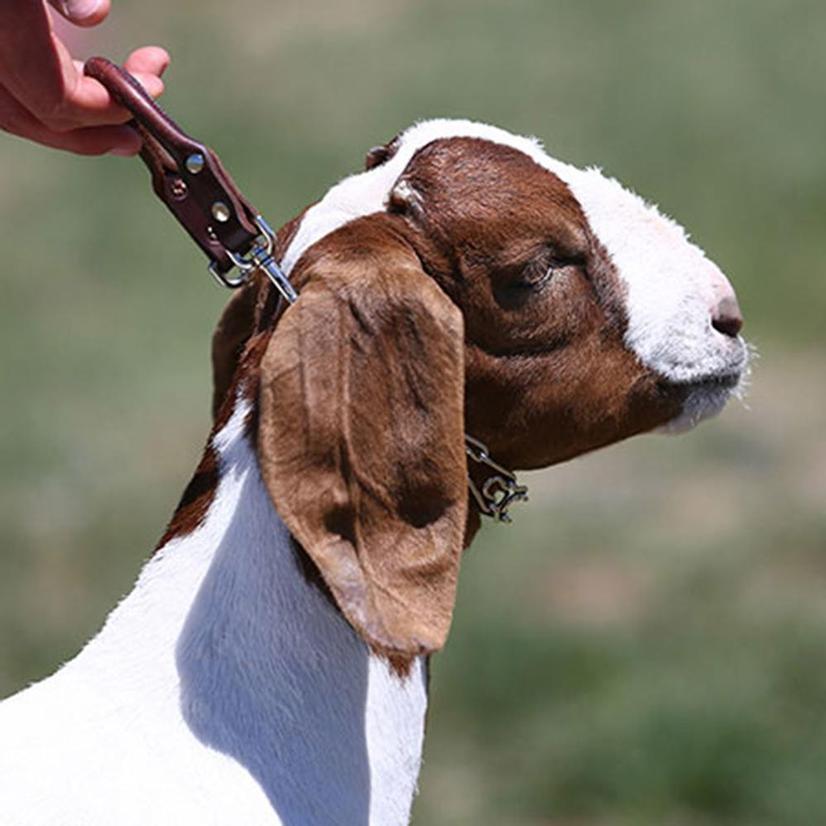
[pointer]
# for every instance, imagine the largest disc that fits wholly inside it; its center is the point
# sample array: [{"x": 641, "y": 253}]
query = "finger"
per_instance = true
[
  {"x": 95, "y": 140},
  {"x": 39, "y": 71},
  {"x": 31, "y": 66},
  {"x": 82, "y": 12},
  {"x": 15, "y": 119},
  {"x": 148, "y": 60},
  {"x": 86, "y": 102},
  {"x": 151, "y": 83},
  {"x": 150, "y": 80},
  {"x": 99, "y": 140}
]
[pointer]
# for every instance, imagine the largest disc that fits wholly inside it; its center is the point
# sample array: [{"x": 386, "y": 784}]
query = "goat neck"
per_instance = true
[{"x": 250, "y": 697}]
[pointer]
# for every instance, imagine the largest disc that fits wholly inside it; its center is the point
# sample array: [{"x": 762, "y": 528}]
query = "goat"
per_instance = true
[{"x": 270, "y": 665}]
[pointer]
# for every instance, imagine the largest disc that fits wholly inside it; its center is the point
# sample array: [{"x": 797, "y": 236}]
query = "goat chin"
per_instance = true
[{"x": 705, "y": 400}]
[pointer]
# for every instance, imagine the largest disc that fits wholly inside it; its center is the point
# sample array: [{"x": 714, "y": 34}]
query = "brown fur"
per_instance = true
[
  {"x": 196, "y": 499},
  {"x": 481, "y": 300},
  {"x": 548, "y": 376}
]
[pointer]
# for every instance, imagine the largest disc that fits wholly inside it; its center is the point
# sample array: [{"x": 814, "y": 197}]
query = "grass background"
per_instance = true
[{"x": 646, "y": 644}]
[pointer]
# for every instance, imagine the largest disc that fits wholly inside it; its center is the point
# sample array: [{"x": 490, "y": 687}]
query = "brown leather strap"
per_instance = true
[{"x": 186, "y": 175}]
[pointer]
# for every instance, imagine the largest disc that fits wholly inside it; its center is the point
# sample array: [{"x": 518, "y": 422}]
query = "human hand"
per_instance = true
[{"x": 44, "y": 95}]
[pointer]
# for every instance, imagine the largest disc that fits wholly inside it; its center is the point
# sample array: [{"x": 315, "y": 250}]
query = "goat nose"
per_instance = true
[{"x": 726, "y": 317}]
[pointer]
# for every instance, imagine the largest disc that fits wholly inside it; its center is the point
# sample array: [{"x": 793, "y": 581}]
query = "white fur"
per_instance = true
[
  {"x": 671, "y": 285},
  {"x": 223, "y": 690}
]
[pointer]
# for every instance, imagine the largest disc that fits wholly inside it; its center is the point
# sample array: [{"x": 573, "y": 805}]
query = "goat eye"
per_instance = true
[{"x": 535, "y": 276}]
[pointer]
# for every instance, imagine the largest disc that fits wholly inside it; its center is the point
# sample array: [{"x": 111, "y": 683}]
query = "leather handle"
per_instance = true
[
  {"x": 186, "y": 174},
  {"x": 132, "y": 96}
]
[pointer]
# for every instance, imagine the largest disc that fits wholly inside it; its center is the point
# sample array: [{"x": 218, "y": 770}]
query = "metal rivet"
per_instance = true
[
  {"x": 178, "y": 189},
  {"x": 195, "y": 162},
  {"x": 220, "y": 211}
]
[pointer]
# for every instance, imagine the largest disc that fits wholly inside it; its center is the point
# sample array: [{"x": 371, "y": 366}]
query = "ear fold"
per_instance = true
[{"x": 361, "y": 436}]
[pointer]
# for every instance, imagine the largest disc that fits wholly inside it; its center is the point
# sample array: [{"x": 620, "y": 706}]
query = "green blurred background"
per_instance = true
[{"x": 647, "y": 644}]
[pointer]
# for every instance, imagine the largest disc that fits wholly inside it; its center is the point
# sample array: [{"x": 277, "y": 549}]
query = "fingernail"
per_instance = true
[
  {"x": 80, "y": 9},
  {"x": 124, "y": 151}
]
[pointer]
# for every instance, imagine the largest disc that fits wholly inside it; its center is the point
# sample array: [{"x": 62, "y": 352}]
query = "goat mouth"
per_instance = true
[
  {"x": 703, "y": 398},
  {"x": 724, "y": 381}
]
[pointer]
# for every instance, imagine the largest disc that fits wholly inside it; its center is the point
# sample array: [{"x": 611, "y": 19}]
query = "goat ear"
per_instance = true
[
  {"x": 361, "y": 437},
  {"x": 377, "y": 155}
]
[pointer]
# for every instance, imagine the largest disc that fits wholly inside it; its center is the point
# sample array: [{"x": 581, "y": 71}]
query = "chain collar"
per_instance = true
[{"x": 500, "y": 490}]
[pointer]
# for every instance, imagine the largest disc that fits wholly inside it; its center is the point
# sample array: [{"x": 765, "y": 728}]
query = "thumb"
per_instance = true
[{"x": 82, "y": 12}]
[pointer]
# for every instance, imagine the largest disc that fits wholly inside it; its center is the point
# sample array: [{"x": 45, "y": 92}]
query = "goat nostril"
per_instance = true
[{"x": 726, "y": 317}]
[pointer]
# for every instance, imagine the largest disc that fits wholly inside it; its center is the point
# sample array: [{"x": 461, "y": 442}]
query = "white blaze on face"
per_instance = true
[
  {"x": 672, "y": 289},
  {"x": 671, "y": 286}
]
